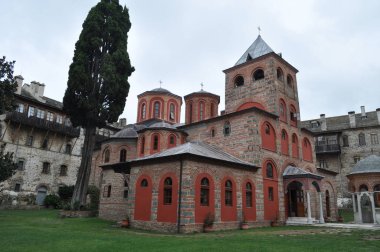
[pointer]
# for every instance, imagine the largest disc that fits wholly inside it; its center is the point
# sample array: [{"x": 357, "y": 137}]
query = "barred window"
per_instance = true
[
  {"x": 228, "y": 193},
  {"x": 168, "y": 189},
  {"x": 205, "y": 192},
  {"x": 248, "y": 195}
]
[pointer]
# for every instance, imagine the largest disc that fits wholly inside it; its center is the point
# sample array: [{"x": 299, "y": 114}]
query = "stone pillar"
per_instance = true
[
  {"x": 321, "y": 219},
  {"x": 359, "y": 209},
  {"x": 373, "y": 207},
  {"x": 309, "y": 221},
  {"x": 354, "y": 203}
]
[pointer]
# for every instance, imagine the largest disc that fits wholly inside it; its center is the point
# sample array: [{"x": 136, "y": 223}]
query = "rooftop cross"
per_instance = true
[
  {"x": 160, "y": 83},
  {"x": 258, "y": 28},
  {"x": 202, "y": 86}
]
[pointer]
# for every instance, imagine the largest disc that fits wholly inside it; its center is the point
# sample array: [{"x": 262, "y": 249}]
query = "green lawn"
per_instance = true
[{"x": 42, "y": 230}]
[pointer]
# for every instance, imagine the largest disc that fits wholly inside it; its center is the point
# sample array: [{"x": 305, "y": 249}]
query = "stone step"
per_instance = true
[{"x": 300, "y": 221}]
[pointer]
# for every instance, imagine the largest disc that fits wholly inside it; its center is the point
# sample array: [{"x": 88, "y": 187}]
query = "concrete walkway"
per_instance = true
[{"x": 347, "y": 225}]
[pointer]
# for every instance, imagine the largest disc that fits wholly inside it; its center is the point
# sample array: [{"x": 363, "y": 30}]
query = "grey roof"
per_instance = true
[
  {"x": 162, "y": 90},
  {"x": 159, "y": 90},
  {"x": 202, "y": 92},
  {"x": 47, "y": 101},
  {"x": 129, "y": 132},
  {"x": 198, "y": 149},
  {"x": 368, "y": 165},
  {"x": 292, "y": 171},
  {"x": 339, "y": 123},
  {"x": 257, "y": 49},
  {"x": 162, "y": 124}
]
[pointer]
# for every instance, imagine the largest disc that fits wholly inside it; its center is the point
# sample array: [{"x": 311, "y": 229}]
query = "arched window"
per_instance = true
[
  {"x": 328, "y": 212},
  {"x": 269, "y": 170},
  {"x": 156, "y": 143},
  {"x": 142, "y": 147},
  {"x": 107, "y": 156},
  {"x": 295, "y": 146},
  {"x": 268, "y": 137},
  {"x": 172, "y": 141},
  {"x": 284, "y": 143},
  {"x": 363, "y": 188},
  {"x": 289, "y": 81},
  {"x": 345, "y": 141},
  {"x": 239, "y": 81},
  {"x": 157, "y": 112},
  {"x": 144, "y": 183},
  {"x": 248, "y": 195},
  {"x": 280, "y": 74},
  {"x": 201, "y": 110},
  {"x": 123, "y": 155},
  {"x": 168, "y": 189},
  {"x": 107, "y": 191},
  {"x": 376, "y": 195},
  {"x": 362, "y": 139},
  {"x": 293, "y": 116},
  {"x": 227, "y": 128},
  {"x": 283, "y": 112},
  {"x": 307, "y": 150},
  {"x": 258, "y": 74},
  {"x": 228, "y": 193},
  {"x": 143, "y": 111},
  {"x": 212, "y": 110},
  {"x": 172, "y": 112},
  {"x": 205, "y": 192}
]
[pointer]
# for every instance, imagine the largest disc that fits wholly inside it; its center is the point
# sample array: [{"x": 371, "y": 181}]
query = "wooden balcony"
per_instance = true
[
  {"x": 328, "y": 148},
  {"x": 43, "y": 124}
]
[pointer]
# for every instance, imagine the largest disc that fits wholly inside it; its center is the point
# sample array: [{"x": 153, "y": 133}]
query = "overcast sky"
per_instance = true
[{"x": 333, "y": 44}]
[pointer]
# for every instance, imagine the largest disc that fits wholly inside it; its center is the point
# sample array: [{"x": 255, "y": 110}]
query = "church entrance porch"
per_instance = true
[{"x": 304, "y": 201}]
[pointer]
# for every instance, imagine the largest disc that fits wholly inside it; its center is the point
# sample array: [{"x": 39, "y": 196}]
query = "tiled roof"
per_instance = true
[
  {"x": 368, "y": 165},
  {"x": 292, "y": 171},
  {"x": 257, "y": 49},
  {"x": 198, "y": 149},
  {"x": 42, "y": 100}
]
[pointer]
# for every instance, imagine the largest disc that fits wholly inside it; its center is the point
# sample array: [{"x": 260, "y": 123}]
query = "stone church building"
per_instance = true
[{"x": 253, "y": 162}]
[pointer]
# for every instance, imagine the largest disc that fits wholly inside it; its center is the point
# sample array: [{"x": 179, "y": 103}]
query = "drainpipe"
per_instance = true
[{"x": 180, "y": 197}]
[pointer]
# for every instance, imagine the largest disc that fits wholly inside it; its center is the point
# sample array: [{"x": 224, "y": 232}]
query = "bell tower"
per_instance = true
[{"x": 263, "y": 79}]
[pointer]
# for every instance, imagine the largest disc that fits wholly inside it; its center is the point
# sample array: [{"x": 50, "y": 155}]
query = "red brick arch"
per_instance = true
[
  {"x": 307, "y": 152},
  {"x": 270, "y": 192},
  {"x": 176, "y": 110},
  {"x": 268, "y": 136},
  {"x": 167, "y": 212},
  {"x": 248, "y": 105},
  {"x": 143, "y": 199},
  {"x": 228, "y": 213},
  {"x": 249, "y": 212},
  {"x": 284, "y": 142},
  {"x": 295, "y": 151},
  {"x": 202, "y": 211}
]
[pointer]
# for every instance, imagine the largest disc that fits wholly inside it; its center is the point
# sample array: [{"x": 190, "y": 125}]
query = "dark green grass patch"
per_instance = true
[{"x": 43, "y": 231}]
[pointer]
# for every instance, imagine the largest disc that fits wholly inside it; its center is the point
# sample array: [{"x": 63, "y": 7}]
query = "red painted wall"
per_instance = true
[
  {"x": 295, "y": 153},
  {"x": 283, "y": 116},
  {"x": 167, "y": 213},
  {"x": 268, "y": 142},
  {"x": 228, "y": 213},
  {"x": 307, "y": 154},
  {"x": 249, "y": 212},
  {"x": 201, "y": 211},
  {"x": 143, "y": 199},
  {"x": 284, "y": 143},
  {"x": 271, "y": 209}
]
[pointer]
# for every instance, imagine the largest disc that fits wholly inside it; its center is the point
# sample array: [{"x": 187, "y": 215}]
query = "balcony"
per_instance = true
[
  {"x": 328, "y": 148},
  {"x": 43, "y": 124}
]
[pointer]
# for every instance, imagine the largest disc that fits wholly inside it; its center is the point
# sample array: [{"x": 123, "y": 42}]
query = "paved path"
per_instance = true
[{"x": 344, "y": 225}]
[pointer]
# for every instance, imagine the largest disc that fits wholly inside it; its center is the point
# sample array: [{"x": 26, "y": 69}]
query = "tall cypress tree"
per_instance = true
[
  {"x": 7, "y": 85},
  {"x": 98, "y": 79}
]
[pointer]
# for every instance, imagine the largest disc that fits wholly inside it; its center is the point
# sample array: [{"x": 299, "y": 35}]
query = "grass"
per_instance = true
[
  {"x": 42, "y": 230},
  {"x": 347, "y": 214}
]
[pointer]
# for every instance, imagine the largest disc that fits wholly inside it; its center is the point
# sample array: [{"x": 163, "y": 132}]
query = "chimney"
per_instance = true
[
  {"x": 378, "y": 114},
  {"x": 37, "y": 88},
  {"x": 362, "y": 108},
  {"x": 351, "y": 116},
  {"x": 323, "y": 122},
  {"x": 122, "y": 122},
  {"x": 19, "y": 80}
]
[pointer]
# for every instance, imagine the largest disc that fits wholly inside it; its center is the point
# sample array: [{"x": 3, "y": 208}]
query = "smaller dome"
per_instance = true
[
  {"x": 129, "y": 132},
  {"x": 162, "y": 125},
  {"x": 161, "y": 90},
  {"x": 368, "y": 165}
]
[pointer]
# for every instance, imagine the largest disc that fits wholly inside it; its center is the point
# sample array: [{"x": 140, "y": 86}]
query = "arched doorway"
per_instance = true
[
  {"x": 41, "y": 195},
  {"x": 365, "y": 204},
  {"x": 296, "y": 206}
]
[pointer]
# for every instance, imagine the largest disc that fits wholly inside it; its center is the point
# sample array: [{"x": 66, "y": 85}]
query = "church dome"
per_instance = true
[
  {"x": 370, "y": 164},
  {"x": 129, "y": 132},
  {"x": 162, "y": 125},
  {"x": 160, "y": 90}
]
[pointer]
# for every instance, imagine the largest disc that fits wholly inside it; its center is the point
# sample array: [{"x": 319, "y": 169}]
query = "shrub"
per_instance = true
[
  {"x": 66, "y": 192},
  {"x": 94, "y": 194},
  {"x": 52, "y": 200}
]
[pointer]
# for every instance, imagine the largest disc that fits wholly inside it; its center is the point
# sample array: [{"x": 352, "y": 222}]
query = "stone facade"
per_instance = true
[{"x": 344, "y": 140}]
